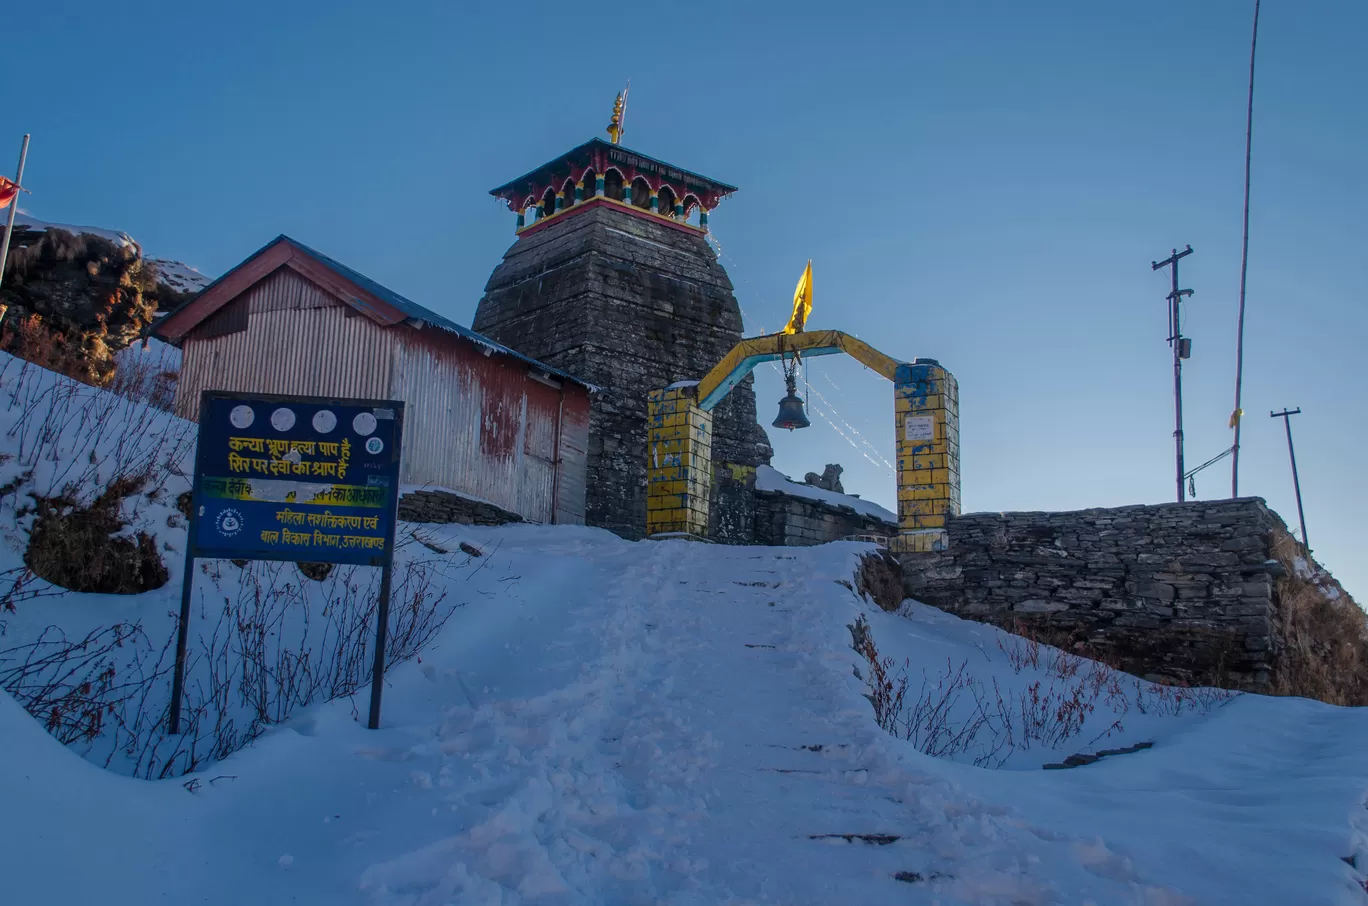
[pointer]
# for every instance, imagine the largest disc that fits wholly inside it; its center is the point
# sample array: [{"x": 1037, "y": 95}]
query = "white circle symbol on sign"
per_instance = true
[
  {"x": 324, "y": 421},
  {"x": 241, "y": 417},
  {"x": 364, "y": 424}
]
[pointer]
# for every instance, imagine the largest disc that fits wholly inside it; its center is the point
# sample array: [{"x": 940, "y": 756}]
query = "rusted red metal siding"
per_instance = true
[
  {"x": 485, "y": 426},
  {"x": 573, "y": 455},
  {"x": 475, "y": 423}
]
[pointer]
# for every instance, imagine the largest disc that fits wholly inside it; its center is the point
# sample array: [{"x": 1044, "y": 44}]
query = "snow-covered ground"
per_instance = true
[
  {"x": 148, "y": 369},
  {"x": 181, "y": 277},
  {"x": 605, "y": 722},
  {"x": 614, "y": 722}
]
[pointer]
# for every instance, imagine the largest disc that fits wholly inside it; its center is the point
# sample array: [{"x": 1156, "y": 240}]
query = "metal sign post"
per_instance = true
[{"x": 304, "y": 479}]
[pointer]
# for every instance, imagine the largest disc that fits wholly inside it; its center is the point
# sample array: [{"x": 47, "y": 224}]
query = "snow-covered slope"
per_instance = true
[
  {"x": 180, "y": 277},
  {"x": 610, "y": 722},
  {"x": 605, "y": 722}
]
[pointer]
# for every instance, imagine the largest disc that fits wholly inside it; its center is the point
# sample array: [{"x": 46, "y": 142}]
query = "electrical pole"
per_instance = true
[
  {"x": 1182, "y": 348},
  {"x": 1286, "y": 416},
  {"x": 13, "y": 209}
]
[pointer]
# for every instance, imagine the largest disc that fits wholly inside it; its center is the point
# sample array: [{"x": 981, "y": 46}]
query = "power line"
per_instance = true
[{"x": 1192, "y": 473}]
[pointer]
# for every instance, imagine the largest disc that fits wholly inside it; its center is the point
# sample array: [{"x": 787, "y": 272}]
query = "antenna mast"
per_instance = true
[{"x": 1182, "y": 348}]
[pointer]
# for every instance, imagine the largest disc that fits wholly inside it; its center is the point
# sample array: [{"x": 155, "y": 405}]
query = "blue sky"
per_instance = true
[{"x": 984, "y": 183}]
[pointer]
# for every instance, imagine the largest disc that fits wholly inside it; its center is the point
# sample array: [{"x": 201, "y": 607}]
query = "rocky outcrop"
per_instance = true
[{"x": 73, "y": 300}]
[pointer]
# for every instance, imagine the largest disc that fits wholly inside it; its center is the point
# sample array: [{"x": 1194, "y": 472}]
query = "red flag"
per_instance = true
[{"x": 7, "y": 192}]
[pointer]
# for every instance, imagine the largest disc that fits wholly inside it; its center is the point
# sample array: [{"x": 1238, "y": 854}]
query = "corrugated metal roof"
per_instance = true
[{"x": 417, "y": 314}]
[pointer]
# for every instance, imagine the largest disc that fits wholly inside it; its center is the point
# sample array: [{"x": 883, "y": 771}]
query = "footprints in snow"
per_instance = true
[
  {"x": 907, "y": 877},
  {"x": 873, "y": 839}
]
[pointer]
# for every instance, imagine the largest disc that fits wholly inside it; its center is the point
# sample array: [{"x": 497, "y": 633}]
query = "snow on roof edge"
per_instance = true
[{"x": 768, "y": 478}]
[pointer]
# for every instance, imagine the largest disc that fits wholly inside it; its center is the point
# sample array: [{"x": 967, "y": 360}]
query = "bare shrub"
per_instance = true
[
  {"x": 28, "y": 337},
  {"x": 90, "y": 438},
  {"x": 1324, "y": 633},
  {"x": 880, "y": 578},
  {"x": 257, "y": 655},
  {"x": 148, "y": 373},
  {"x": 81, "y": 689},
  {"x": 317, "y": 572},
  {"x": 954, "y": 713},
  {"x": 264, "y": 641}
]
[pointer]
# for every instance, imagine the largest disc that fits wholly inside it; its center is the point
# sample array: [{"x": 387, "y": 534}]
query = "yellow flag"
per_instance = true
[
  {"x": 802, "y": 302},
  {"x": 1235, "y": 417}
]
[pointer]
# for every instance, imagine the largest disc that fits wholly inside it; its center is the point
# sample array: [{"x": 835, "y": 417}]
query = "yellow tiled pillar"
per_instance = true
[
  {"x": 926, "y": 409},
  {"x": 678, "y": 472}
]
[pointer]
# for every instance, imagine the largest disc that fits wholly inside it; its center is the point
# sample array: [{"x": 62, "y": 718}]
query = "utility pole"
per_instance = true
[
  {"x": 1286, "y": 416},
  {"x": 1236, "y": 415},
  {"x": 1182, "y": 349}
]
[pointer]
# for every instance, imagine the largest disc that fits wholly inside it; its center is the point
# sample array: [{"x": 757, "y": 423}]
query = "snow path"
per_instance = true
[
  {"x": 678, "y": 723},
  {"x": 671, "y": 769}
]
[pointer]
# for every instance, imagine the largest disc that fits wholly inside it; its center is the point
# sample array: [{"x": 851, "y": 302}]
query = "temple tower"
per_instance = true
[{"x": 612, "y": 280}]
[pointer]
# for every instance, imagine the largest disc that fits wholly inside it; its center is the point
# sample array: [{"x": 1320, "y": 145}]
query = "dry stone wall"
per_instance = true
[
  {"x": 1181, "y": 592},
  {"x": 444, "y": 506},
  {"x": 785, "y": 520}
]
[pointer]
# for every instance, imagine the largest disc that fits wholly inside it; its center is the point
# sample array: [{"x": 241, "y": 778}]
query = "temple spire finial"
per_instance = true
[{"x": 619, "y": 114}]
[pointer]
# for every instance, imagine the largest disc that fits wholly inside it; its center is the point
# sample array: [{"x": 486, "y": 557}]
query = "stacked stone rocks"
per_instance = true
[
  {"x": 443, "y": 506},
  {"x": 1180, "y": 592},
  {"x": 784, "y": 520},
  {"x": 631, "y": 305}
]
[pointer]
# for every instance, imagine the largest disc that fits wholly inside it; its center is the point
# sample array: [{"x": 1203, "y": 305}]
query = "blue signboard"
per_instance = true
[{"x": 296, "y": 478}]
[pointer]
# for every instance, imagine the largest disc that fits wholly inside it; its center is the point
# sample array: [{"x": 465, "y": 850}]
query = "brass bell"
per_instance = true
[{"x": 791, "y": 413}]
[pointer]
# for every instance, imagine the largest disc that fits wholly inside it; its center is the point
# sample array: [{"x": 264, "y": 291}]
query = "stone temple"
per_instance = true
[{"x": 611, "y": 279}]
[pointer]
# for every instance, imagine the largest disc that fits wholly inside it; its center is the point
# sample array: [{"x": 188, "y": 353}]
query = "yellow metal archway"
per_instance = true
[{"x": 926, "y": 420}]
